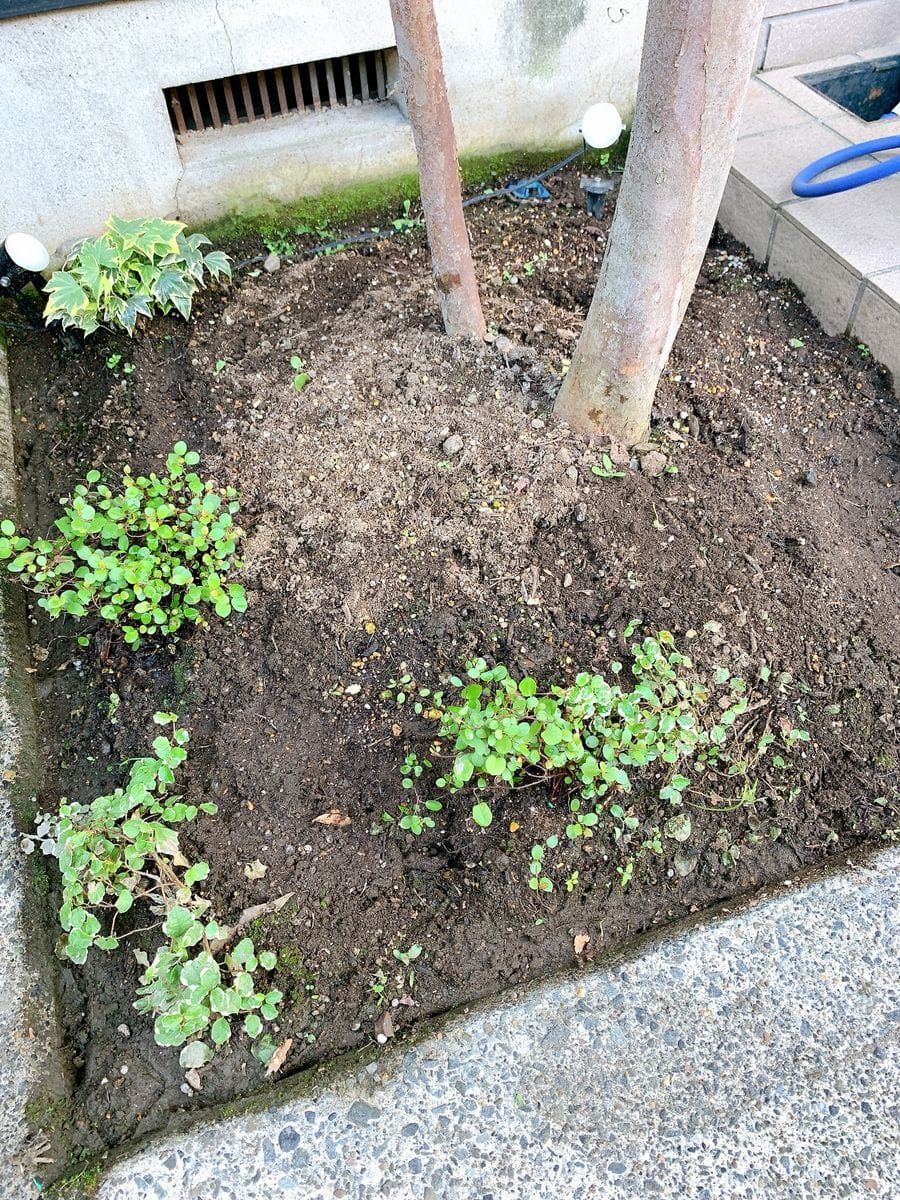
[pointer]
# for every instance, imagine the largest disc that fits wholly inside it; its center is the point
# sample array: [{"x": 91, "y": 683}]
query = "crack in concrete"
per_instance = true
[
  {"x": 234, "y": 70},
  {"x": 178, "y": 183}
]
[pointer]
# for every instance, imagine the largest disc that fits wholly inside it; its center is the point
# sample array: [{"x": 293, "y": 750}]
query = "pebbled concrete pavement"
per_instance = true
[{"x": 752, "y": 1057}]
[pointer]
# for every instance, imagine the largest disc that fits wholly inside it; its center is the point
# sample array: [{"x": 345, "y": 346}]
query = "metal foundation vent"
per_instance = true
[{"x": 262, "y": 95}]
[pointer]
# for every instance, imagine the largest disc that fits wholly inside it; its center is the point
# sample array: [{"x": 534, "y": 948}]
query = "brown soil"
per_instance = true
[{"x": 372, "y": 554}]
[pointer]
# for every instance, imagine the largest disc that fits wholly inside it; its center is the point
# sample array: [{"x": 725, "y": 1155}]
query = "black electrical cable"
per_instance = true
[{"x": 372, "y": 235}]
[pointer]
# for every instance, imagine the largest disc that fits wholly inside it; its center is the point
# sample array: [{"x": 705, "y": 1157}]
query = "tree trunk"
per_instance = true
[
  {"x": 419, "y": 50},
  {"x": 696, "y": 64}
]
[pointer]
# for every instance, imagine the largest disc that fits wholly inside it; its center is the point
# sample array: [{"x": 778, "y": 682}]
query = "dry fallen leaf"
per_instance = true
[
  {"x": 255, "y": 870},
  {"x": 248, "y": 915},
  {"x": 260, "y": 910},
  {"x": 513, "y": 826},
  {"x": 384, "y": 1027},
  {"x": 334, "y": 817},
  {"x": 580, "y": 941},
  {"x": 276, "y": 1062}
]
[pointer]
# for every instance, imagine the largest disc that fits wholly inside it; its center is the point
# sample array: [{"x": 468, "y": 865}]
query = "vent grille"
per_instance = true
[{"x": 262, "y": 95}]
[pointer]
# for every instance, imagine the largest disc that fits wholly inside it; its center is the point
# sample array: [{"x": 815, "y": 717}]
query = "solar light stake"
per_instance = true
[{"x": 22, "y": 257}]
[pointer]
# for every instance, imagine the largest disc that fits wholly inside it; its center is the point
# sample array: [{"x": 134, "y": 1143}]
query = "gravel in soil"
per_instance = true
[{"x": 415, "y": 505}]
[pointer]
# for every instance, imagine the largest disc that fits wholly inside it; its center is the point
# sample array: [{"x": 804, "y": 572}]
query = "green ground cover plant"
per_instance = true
[
  {"x": 597, "y": 744},
  {"x": 147, "y": 555},
  {"x": 123, "y": 849},
  {"x": 133, "y": 269}
]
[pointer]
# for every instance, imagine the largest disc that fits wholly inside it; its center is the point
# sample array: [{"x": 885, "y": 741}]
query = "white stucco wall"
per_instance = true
[{"x": 84, "y": 129}]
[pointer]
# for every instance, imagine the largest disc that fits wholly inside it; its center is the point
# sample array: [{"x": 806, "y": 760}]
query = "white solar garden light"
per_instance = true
[
  {"x": 21, "y": 258},
  {"x": 601, "y": 126}
]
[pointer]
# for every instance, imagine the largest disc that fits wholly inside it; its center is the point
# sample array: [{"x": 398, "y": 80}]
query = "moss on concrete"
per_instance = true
[{"x": 365, "y": 203}]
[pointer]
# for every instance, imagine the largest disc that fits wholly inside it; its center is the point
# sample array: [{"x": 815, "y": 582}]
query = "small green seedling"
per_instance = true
[
  {"x": 220, "y": 366},
  {"x": 412, "y": 819},
  {"x": 606, "y": 469},
  {"x": 115, "y": 360},
  {"x": 279, "y": 243},
  {"x": 408, "y": 956},
  {"x": 538, "y": 881},
  {"x": 412, "y": 768},
  {"x": 377, "y": 987},
  {"x": 406, "y": 223},
  {"x": 301, "y": 378}
]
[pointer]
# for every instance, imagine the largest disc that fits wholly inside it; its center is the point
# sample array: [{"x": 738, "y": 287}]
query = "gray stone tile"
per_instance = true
[
  {"x": 877, "y": 321},
  {"x": 754, "y": 1056},
  {"x": 769, "y": 162},
  {"x": 888, "y": 283},
  {"x": 748, "y": 216},
  {"x": 854, "y": 128},
  {"x": 861, "y": 226},
  {"x": 766, "y": 110},
  {"x": 778, "y": 8},
  {"x": 805, "y": 37},
  {"x": 787, "y": 81},
  {"x": 829, "y": 287},
  {"x": 883, "y": 51}
]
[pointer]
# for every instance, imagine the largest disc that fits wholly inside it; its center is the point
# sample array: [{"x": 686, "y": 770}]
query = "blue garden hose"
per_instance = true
[{"x": 807, "y": 183}]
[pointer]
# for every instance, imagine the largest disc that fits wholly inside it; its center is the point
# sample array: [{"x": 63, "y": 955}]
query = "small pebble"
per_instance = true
[
  {"x": 810, "y": 478},
  {"x": 653, "y": 463},
  {"x": 452, "y": 445},
  {"x": 272, "y": 264}
]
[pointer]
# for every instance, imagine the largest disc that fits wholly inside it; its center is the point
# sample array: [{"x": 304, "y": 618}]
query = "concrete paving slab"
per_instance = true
[
  {"x": 877, "y": 320},
  {"x": 830, "y": 246},
  {"x": 828, "y": 285},
  {"x": 778, "y": 8},
  {"x": 756, "y": 1056},
  {"x": 748, "y": 216},
  {"x": 770, "y": 161},
  {"x": 765, "y": 111},
  {"x": 862, "y": 226},
  {"x": 786, "y": 81}
]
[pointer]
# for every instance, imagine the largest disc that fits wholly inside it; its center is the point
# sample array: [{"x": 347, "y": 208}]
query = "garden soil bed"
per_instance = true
[{"x": 372, "y": 553}]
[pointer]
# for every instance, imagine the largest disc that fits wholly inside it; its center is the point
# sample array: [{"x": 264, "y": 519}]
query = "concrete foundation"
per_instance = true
[{"x": 91, "y": 134}]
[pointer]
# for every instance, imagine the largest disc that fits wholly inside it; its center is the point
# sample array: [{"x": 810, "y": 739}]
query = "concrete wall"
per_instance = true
[{"x": 85, "y": 130}]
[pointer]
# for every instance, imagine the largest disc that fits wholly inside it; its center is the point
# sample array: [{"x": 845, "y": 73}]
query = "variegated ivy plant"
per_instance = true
[{"x": 133, "y": 269}]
